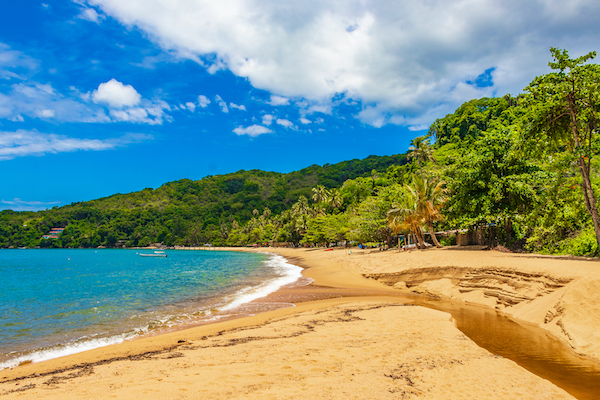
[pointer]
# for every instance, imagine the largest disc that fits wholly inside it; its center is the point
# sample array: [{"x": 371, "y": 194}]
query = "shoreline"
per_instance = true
[
  {"x": 328, "y": 277},
  {"x": 236, "y": 303}
]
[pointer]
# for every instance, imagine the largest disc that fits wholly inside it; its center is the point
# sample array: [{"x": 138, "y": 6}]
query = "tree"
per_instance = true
[
  {"x": 429, "y": 196},
  {"x": 368, "y": 222},
  {"x": 563, "y": 115},
  {"x": 354, "y": 191},
  {"x": 421, "y": 150},
  {"x": 334, "y": 199},
  {"x": 492, "y": 182},
  {"x": 327, "y": 228},
  {"x": 471, "y": 119},
  {"x": 319, "y": 194},
  {"x": 406, "y": 217}
]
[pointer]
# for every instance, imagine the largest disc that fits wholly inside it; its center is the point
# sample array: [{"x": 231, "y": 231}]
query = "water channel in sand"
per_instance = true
[{"x": 526, "y": 344}]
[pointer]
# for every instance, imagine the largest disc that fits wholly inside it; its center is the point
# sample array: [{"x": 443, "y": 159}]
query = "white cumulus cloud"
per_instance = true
[
  {"x": 305, "y": 121},
  {"x": 285, "y": 123},
  {"x": 116, "y": 95},
  {"x": 190, "y": 106},
  {"x": 252, "y": 131},
  {"x": 203, "y": 101},
  {"x": 267, "y": 119},
  {"x": 400, "y": 58},
  {"x": 240, "y": 107}
]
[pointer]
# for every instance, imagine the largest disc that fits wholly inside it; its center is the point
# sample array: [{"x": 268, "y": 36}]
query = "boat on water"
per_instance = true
[{"x": 155, "y": 254}]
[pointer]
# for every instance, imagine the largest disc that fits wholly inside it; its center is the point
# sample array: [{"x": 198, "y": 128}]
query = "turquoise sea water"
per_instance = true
[{"x": 61, "y": 301}]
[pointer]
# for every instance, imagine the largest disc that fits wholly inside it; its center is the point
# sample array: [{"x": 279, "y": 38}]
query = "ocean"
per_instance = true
[{"x": 58, "y": 302}]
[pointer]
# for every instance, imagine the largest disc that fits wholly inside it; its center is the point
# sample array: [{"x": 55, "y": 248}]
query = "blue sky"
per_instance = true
[{"x": 104, "y": 96}]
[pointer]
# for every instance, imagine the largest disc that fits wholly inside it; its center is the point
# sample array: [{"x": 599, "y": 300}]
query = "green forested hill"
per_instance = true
[
  {"x": 180, "y": 212},
  {"x": 522, "y": 172}
]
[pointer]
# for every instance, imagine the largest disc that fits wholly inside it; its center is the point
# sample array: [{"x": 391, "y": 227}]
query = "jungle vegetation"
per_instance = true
[{"x": 522, "y": 169}]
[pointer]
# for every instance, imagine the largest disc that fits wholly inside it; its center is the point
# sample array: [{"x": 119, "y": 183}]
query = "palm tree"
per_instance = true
[
  {"x": 421, "y": 150},
  {"x": 429, "y": 196},
  {"x": 334, "y": 198},
  {"x": 301, "y": 206},
  {"x": 319, "y": 194},
  {"x": 422, "y": 205},
  {"x": 301, "y": 223},
  {"x": 406, "y": 217},
  {"x": 267, "y": 212}
]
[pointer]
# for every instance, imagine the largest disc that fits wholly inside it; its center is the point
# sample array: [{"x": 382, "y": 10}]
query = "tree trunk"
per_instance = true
[
  {"x": 508, "y": 229},
  {"x": 431, "y": 232},
  {"x": 414, "y": 239},
  {"x": 588, "y": 193},
  {"x": 420, "y": 238},
  {"x": 389, "y": 240},
  {"x": 590, "y": 200}
]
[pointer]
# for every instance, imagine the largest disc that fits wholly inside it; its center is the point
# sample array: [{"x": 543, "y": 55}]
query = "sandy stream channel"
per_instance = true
[{"x": 356, "y": 333}]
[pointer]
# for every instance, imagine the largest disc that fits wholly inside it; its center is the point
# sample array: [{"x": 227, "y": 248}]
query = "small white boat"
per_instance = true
[{"x": 155, "y": 254}]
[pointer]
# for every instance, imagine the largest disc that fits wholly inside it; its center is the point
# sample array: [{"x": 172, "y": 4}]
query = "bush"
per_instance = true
[
  {"x": 584, "y": 244},
  {"x": 448, "y": 240}
]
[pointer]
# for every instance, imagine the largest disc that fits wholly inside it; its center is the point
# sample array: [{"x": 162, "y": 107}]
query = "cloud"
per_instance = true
[
  {"x": 133, "y": 114},
  {"x": 190, "y": 106},
  {"x": 285, "y": 123},
  {"x": 15, "y": 64},
  {"x": 400, "y": 59},
  {"x": 267, "y": 119},
  {"x": 37, "y": 100},
  {"x": 415, "y": 128},
  {"x": 17, "y": 204},
  {"x": 24, "y": 143},
  {"x": 221, "y": 104},
  {"x": 203, "y": 101},
  {"x": 242, "y": 107},
  {"x": 23, "y": 97},
  {"x": 116, "y": 95},
  {"x": 279, "y": 101},
  {"x": 305, "y": 121},
  {"x": 252, "y": 131},
  {"x": 45, "y": 113},
  {"x": 89, "y": 14}
]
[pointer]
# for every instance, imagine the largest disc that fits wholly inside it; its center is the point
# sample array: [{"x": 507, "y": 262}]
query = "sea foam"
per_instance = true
[
  {"x": 67, "y": 349},
  {"x": 289, "y": 273}
]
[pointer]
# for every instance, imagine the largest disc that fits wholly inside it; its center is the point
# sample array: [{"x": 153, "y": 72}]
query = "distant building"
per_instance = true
[{"x": 53, "y": 234}]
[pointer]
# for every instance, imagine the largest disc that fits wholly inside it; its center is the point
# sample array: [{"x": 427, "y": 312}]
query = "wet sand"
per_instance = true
[{"x": 348, "y": 337}]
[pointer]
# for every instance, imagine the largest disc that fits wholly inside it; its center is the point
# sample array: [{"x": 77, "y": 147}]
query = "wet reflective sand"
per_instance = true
[{"x": 527, "y": 345}]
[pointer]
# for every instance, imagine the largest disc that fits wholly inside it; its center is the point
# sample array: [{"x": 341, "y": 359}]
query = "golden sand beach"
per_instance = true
[{"x": 365, "y": 342}]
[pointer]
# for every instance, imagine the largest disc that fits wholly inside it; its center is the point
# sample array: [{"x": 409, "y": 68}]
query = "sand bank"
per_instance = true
[
  {"x": 370, "y": 347},
  {"x": 558, "y": 294}
]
